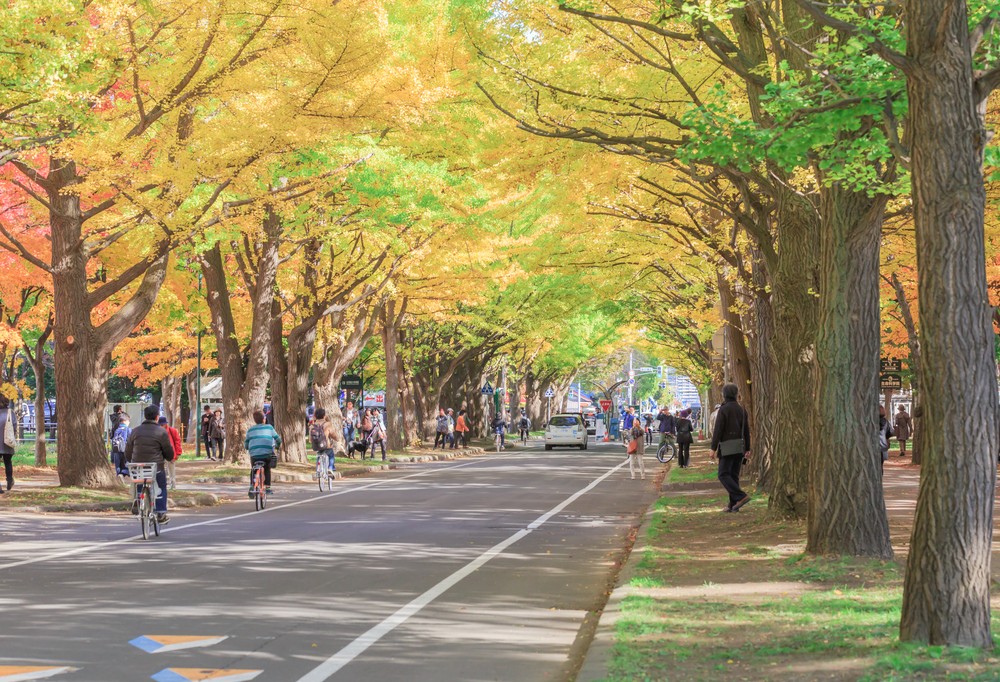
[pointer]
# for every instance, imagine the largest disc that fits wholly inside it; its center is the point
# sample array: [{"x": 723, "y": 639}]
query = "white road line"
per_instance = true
[
  {"x": 332, "y": 665},
  {"x": 111, "y": 543}
]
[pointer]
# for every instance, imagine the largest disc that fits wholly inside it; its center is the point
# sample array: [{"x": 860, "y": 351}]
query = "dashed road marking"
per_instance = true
[{"x": 330, "y": 666}]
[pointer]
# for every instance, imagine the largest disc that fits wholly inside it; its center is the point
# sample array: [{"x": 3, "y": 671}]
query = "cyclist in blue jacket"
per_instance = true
[{"x": 261, "y": 442}]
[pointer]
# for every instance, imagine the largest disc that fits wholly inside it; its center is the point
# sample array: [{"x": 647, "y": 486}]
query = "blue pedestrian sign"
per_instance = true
[
  {"x": 550, "y": 393},
  {"x": 663, "y": 384},
  {"x": 631, "y": 382},
  {"x": 487, "y": 389}
]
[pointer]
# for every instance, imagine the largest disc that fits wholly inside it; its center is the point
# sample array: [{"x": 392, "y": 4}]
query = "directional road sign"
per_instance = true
[{"x": 350, "y": 382}]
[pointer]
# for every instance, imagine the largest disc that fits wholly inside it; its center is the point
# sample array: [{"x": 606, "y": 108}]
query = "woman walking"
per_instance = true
[
  {"x": 685, "y": 436},
  {"x": 636, "y": 449},
  {"x": 902, "y": 429},
  {"x": 218, "y": 433},
  {"x": 7, "y": 440}
]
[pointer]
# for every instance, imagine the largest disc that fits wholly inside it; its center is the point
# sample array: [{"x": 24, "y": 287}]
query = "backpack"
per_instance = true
[
  {"x": 442, "y": 424},
  {"x": 317, "y": 437},
  {"x": 684, "y": 431},
  {"x": 525, "y": 423},
  {"x": 118, "y": 442}
]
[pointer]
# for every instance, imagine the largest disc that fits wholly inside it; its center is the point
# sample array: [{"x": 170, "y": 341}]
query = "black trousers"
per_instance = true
[
  {"x": 729, "y": 477},
  {"x": 440, "y": 438},
  {"x": 683, "y": 454},
  {"x": 380, "y": 442},
  {"x": 8, "y": 468}
]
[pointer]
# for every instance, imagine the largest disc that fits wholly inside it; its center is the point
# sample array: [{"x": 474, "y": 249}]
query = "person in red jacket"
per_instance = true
[{"x": 175, "y": 440}]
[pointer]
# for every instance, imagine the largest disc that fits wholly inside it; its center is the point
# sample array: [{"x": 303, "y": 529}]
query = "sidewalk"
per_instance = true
[{"x": 710, "y": 596}]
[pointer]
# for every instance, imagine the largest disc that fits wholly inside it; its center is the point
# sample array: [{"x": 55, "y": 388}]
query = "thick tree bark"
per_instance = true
[
  {"x": 170, "y": 401},
  {"x": 760, "y": 319},
  {"x": 290, "y": 366},
  {"x": 793, "y": 280},
  {"x": 946, "y": 594},
  {"x": 913, "y": 343},
  {"x": 847, "y": 514},
  {"x": 36, "y": 358},
  {"x": 739, "y": 361},
  {"x": 392, "y": 319},
  {"x": 83, "y": 351},
  {"x": 243, "y": 388}
]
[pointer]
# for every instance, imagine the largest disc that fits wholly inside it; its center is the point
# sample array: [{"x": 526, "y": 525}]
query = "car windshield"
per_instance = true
[{"x": 564, "y": 421}]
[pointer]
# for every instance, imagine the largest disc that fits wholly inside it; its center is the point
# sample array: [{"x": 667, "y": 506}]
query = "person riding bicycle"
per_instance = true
[
  {"x": 499, "y": 425},
  {"x": 150, "y": 443},
  {"x": 261, "y": 442},
  {"x": 320, "y": 438},
  {"x": 523, "y": 426}
]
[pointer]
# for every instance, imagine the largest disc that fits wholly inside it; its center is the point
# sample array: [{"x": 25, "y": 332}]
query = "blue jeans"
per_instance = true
[{"x": 330, "y": 464}]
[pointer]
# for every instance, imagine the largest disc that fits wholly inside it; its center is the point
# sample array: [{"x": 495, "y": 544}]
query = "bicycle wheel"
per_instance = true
[
  {"x": 665, "y": 453},
  {"x": 497, "y": 442},
  {"x": 154, "y": 519},
  {"x": 144, "y": 511},
  {"x": 321, "y": 472}
]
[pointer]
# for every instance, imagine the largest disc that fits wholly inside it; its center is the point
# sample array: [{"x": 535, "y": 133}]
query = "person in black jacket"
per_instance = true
[
  {"x": 731, "y": 443},
  {"x": 150, "y": 442}
]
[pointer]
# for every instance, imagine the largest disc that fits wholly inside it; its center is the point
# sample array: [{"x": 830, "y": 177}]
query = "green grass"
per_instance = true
[{"x": 691, "y": 474}]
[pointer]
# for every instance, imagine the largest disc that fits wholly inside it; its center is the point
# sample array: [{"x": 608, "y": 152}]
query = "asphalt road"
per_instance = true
[{"x": 477, "y": 569}]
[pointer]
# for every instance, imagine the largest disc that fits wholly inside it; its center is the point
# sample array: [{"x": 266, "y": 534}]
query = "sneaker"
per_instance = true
[
  {"x": 250, "y": 493},
  {"x": 162, "y": 519},
  {"x": 740, "y": 503},
  {"x": 269, "y": 491}
]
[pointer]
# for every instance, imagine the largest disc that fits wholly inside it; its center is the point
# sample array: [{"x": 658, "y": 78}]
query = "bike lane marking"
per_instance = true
[
  {"x": 160, "y": 644},
  {"x": 111, "y": 543},
  {"x": 23, "y": 673},
  {"x": 205, "y": 675},
  {"x": 334, "y": 663}
]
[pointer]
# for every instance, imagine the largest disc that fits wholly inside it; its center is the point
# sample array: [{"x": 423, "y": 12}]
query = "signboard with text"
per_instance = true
[
  {"x": 350, "y": 382},
  {"x": 890, "y": 382}
]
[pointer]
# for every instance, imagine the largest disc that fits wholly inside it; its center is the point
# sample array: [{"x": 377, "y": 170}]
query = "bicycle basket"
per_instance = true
[{"x": 140, "y": 472}]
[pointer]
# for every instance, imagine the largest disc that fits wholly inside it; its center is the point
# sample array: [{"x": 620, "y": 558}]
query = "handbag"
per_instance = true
[
  {"x": 9, "y": 439},
  {"x": 633, "y": 446}
]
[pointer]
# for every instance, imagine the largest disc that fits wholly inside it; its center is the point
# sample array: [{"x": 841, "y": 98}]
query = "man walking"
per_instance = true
[
  {"x": 206, "y": 430},
  {"x": 451, "y": 429},
  {"x": 731, "y": 444}
]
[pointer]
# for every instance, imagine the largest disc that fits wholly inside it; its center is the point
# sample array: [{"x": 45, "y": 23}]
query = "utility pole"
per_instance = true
[
  {"x": 631, "y": 377},
  {"x": 197, "y": 400}
]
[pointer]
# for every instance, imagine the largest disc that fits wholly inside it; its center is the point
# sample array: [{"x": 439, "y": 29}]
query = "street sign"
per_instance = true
[
  {"x": 663, "y": 384},
  {"x": 890, "y": 382},
  {"x": 350, "y": 382},
  {"x": 890, "y": 365},
  {"x": 487, "y": 389},
  {"x": 631, "y": 373},
  {"x": 550, "y": 393},
  {"x": 605, "y": 405},
  {"x": 646, "y": 369},
  {"x": 631, "y": 382}
]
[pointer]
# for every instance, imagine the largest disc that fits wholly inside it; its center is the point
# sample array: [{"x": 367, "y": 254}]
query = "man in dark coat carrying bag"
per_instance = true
[{"x": 731, "y": 444}]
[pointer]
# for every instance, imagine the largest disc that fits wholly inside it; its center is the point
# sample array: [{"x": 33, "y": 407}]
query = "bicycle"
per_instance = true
[
  {"x": 259, "y": 489},
  {"x": 323, "y": 473},
  {"x": 143, "y": 476},
  {"x": 498, "y": 440},
  {"x": 524, "y": 436},
  {"x": 666, "y": 451}
]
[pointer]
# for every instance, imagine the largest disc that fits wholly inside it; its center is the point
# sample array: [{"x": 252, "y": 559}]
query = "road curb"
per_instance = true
[{"x": 598, "y": 656}]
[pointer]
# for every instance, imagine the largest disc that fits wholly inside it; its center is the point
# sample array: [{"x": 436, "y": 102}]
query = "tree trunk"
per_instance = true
[
  {"x": 847, "y": 514},
  {"x": 290, "y": 383},
  {"x": 170, "y": 402},
  {"x": 760, "y": 321},
  {"x": 739, "y": 361},
  {"x": 194, "y": 407},
  {"x": 36, "y": 358},
  {"x": 946, "y": 594},
  {"x": 913, "y": 343},
  {"x": 392, "y": 318},
  {"x": 243, "y": 389},
  {"x": 83, "y": 351},
  {"x": 793, "y": 349}
]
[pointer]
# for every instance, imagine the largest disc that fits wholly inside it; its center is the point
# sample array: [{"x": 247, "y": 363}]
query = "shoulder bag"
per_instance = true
[{"x": 9, "y": 439}]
